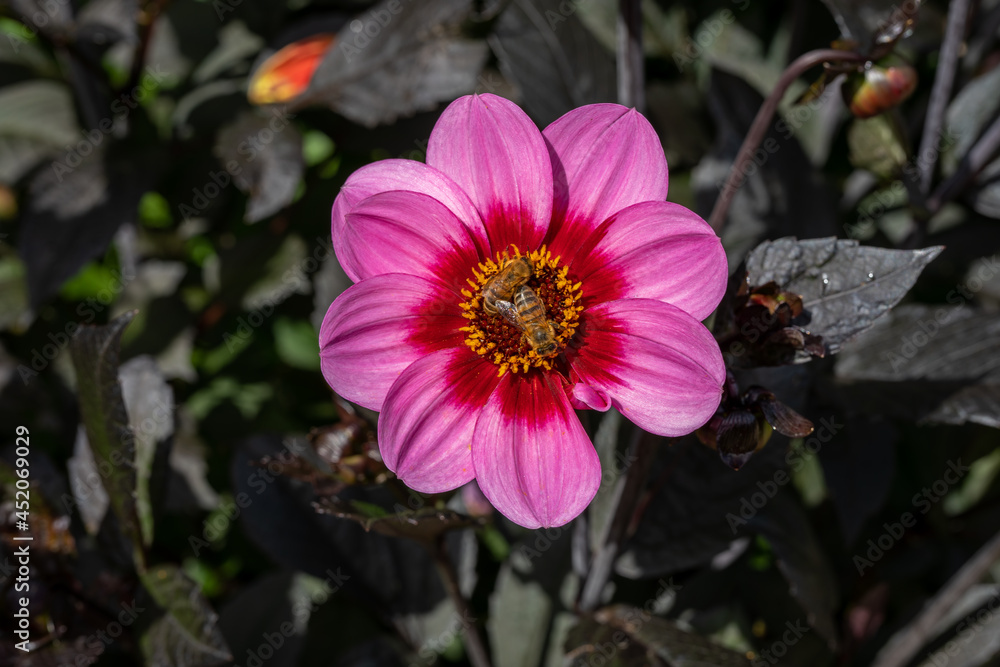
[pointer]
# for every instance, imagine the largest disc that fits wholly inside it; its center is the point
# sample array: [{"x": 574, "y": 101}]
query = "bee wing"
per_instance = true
[{"x": 509, "y": 312}]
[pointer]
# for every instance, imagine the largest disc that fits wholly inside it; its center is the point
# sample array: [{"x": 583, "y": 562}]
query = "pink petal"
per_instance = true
[
  {"x": 604, "y": 157},
  {"x": 533, "y": 459},
  {"x": 409, "y": 175},
  {"x": 425, "y": 429},
  {"x": 661, "y": 367},
  {"x": 406, "y": 232},
  {"x": 654, "y": 250},
  {"x": 495, "y": 153},
  {"x": 584, "y": 397},
  {"x": 378, "y": 327}
]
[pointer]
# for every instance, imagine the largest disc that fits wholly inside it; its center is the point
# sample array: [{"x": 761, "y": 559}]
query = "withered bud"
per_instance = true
[{"x": 740, "y": 434}]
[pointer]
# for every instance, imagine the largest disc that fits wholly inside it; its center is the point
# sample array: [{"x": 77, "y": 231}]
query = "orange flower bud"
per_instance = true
[{"x": 287, "y": 73}]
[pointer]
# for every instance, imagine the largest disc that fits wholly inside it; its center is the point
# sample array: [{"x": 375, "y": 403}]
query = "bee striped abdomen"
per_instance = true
[{"x": 529, "y": 306}]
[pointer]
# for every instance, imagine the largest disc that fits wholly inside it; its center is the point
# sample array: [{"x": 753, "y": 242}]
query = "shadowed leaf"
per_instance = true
[
  {"x": 73, "y": 213},
  {"x": 36, "y": 121},
  {"x": 634, "y": 637},
  {"x": 801, "y": 560},
  {"x": 397, "y": 59},
  {"x": 424, "y": 525},
  {"x": 695, "y": 512},
  {"x": 525, "y": 600},
  {"x": 279, "y": 517},
  {"x": 555, "y": 62},
  {"x": 268, "y": 153},
  {"x": 934, "y": 344}
]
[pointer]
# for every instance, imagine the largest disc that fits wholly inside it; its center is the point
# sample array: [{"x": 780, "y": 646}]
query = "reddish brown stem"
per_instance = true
[{"x": 763, "y": 120}]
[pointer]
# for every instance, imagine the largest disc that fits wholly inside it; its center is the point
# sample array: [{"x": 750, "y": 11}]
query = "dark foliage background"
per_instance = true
[{"x": 198, "y": 496}]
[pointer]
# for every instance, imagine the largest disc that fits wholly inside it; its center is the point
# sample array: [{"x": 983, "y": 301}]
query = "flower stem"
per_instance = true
[
  {"x": 474, "y": 646},
  {"x": 147, "y": 17},
  {"x": 631, "y": 75},
  {"x": 974, "y": 161},
  {"x": 958, "y": 12},
  {"x": 763, "y": 119}
]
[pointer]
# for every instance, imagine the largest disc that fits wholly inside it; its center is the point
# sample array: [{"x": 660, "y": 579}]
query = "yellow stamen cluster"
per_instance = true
[{"x": 501, "y": 342}]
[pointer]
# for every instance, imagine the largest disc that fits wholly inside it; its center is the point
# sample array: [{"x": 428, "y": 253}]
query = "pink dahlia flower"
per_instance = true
[{"x": 625, "y": 278}]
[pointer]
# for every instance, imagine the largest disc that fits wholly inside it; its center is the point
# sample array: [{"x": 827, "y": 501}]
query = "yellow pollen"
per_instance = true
[{"x": 503, "y": 343}]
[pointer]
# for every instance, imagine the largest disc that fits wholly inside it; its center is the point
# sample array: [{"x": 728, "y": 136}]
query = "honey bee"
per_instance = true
[
  {"x": 505, "y": 282},
  {"x": 527, "y": 313}
]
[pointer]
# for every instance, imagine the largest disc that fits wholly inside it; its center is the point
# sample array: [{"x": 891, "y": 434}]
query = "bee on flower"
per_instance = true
[{"x": 605, "y": 302}]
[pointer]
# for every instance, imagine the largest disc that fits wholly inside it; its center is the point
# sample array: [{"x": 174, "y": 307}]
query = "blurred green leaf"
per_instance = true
[
  {"x": 297, "y": 343},
  {"x": 89, "y": 282},
  {"x": 13, "y": 292},
  {"x": 875, "y": 145},
  {"x": 154, "y": 211},
  {"x": 982, "y": 473},
  {"x": 316, "y": 147}
]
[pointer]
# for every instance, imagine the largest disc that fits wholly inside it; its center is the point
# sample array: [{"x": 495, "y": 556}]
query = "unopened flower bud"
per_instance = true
[
  {"x": 878, "y": 89},
  {"x": 286, "y": 74}
]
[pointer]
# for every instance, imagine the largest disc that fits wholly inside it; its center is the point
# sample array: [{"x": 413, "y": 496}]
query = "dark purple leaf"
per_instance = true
[
  {"x": 845, "y": 287},
  {"x": 956, "y": 347},
  {"x": 552, "y": 58},
  {"x": 390, "y": 573},
  {"x": 95, "y": 351},
  {"x": 859, "y": 471},
  {"x": 649, "y": 638},
  {"x": 187, "y": 634},
  {"x": 73, "y": 213},
  {"x": 263, "y": 154},
  {"x": 396, "y": 59}
]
